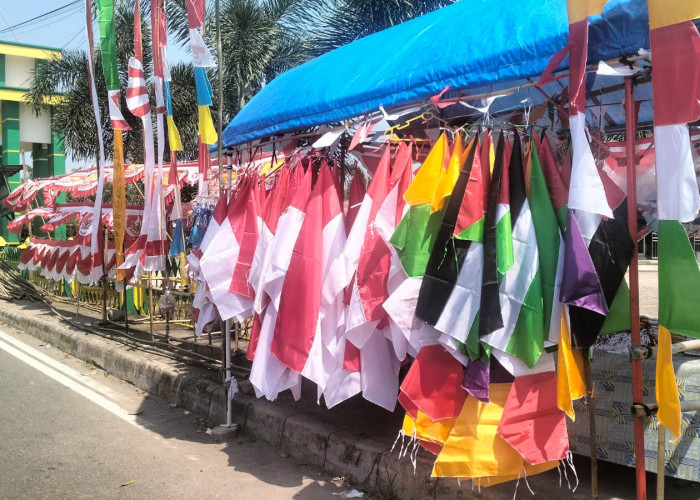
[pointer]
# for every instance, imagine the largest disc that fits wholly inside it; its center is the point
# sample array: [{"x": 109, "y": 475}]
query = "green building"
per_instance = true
[{"x": 24, "y": 133}]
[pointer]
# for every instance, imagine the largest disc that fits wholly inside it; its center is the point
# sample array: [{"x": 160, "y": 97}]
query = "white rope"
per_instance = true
[
  {"x": 401, "y": 436},
  {"x": 527, "y": 483},
  {"x": 570, "y": 461},
  {"x": 516, "y": 487}
]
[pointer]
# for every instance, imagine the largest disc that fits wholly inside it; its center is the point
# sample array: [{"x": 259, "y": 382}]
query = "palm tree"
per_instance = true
[
  {"x": 73, "y": 115},
  {"x": 343, "y": 21}
]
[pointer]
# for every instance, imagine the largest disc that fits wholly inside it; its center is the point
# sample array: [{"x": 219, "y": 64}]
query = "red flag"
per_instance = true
[
  {"x": 434, "y": 384},
  {"x": 531, "y": 422},
  {"x": 357, "y": 193},
  {"x": 676, "y": 50},
  {"x": 300, "y": 301}
]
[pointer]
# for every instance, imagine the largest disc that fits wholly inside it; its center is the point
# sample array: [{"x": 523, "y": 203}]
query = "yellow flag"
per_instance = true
[
  {"x": 206, "y": 126},
  {"x": 436, "y": 431},
  {"x": 475, "y": 450},
  {"x": 174, "y": 140},
  {"x": 119, "y": 202},
  {"x": 571, "y": 379},
  {"x": 581, "y": 9},
  {"x": 665, "y": 12},
  {"x": 448, "y": 178},
  {"x": 669, "y": 414},
  {"x": 422, "y": 190}
]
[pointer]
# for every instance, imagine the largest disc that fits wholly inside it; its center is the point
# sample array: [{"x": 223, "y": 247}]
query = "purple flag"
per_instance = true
[{"x": 580, "y": 284}]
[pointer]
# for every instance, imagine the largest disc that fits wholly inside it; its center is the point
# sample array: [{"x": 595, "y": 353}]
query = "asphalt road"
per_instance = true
[{"x": 69, "y": 430}]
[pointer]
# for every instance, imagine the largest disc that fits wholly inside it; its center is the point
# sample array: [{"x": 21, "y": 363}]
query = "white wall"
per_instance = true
[
  {"x": 34, "y": 128},
  {"x": 18, "y": 71}
]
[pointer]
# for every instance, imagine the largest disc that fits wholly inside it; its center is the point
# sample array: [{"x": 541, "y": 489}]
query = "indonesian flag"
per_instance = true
[
  {"x": 203, "y": 303},
  {"x": 357, "y": 194},
  {"x": 325, "y": 354},
  {"x": 675, "y": 48},
  {"x": 226, "y": 262},
  {"x": 268, "y": 374},
  {"x": 268, "y": 218},
  {"x": 296, "y": 327}
]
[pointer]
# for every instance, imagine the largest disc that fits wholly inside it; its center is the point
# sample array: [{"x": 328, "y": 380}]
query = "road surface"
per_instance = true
[{"x": 69, "y": 430}]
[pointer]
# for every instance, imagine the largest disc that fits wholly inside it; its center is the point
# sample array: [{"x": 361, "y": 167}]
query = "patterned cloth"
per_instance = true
[{"x": 612, "y": 375}]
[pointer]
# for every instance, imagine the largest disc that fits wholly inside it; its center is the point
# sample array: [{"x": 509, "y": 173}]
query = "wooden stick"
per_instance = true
[
  {"x": 660, "y": 462},
  {"x": 591, "y": 421}
]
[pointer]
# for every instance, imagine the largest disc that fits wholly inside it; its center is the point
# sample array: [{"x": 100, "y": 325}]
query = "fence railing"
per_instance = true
[{"x": 137, "y": 297}]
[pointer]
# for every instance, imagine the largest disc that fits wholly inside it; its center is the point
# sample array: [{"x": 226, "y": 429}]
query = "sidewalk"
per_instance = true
[{"x": 352, "y": 440}]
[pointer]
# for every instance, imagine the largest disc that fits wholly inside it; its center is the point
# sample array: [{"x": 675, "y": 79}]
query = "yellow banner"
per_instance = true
[
  {"x": 206, "y": 126},
  {"x": 667, "y": 398},
  {"x": 119, "y": 201},
  {"x": 664, "y": 13},
  {"x": 581, "y": 9},
  {"x": 174, "y": 140}
]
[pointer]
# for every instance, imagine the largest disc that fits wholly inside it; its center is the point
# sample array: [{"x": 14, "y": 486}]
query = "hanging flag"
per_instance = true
[
  {"x": 520, "y": 288},
  {"x": 596, "y": 256},
  {"x": 558, "y": 190},
  {"x": 490, "y": 317},
  {"x": 678, "y": 299},
  {"x": 119, "y": 202},
  {"x": 95, "y": 253},
  {"x": 226, "y": 262},
  {"x": 571, "y": 380},
  {"x": 415, "y": 235},
  {"x": 550, "y": 247},
  {"x": 357, "y": 194},
  {"x": 202, "y": 59},
  {"x": 325, "y": 355},
  {"x": 268, "y": 374},
  {"x": 450, "y": 250},
  {"x": 433, "y": 385},
  {"x": 474, "y": 450},
  {"x": 108, "y": 48},
  {"x": 366, "y": 253},
  {"x": 532, "y": 423}
]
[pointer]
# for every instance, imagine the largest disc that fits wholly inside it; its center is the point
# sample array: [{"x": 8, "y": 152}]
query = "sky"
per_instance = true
[{"x": 64, "y": 29}]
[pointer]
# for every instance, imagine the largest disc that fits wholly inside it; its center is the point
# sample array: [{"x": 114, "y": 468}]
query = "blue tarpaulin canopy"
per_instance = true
[{"x": 468, "y": 45}]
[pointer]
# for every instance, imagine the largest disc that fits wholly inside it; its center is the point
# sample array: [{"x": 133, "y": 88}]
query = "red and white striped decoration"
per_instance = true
[{"x": 136, "y": 92}]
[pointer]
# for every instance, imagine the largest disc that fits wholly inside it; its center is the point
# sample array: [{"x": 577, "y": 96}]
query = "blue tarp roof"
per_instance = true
[{"x": 468, "y": 45}]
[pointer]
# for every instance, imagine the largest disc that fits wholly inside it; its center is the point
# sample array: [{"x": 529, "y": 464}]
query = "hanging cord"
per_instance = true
[{"x": 570, "y": 461}]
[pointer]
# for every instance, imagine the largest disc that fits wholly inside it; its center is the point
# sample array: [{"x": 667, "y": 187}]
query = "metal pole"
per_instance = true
[
  {"x": 227, "y": 342},
  {"x": 220, "y": 114},
  {"x": 630, "y": 133}
]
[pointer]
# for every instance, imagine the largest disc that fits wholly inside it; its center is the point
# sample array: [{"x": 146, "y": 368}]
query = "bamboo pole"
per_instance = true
[
  {"x": 150, "y": 305},
  {"x": 591, "y": 423},
  {"x": 660, "y": 462},
  {"x": 637, "y": 393},
  {"x": 104, "y": 275}
]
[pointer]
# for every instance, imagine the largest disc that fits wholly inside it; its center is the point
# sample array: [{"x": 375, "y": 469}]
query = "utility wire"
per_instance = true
[
  {"x": 40, "y": 16},
  {"x": 10, "y": 27}
]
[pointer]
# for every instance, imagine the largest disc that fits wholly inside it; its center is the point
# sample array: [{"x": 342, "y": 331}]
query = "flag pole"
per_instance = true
[
  {"x": 220, "y": 119},
  {"x": 630, "y": 134},
  {"x": 220, "y": 91}
]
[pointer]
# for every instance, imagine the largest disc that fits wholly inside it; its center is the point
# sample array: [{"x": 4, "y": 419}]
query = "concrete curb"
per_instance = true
[{"x": 366, "y": 463}]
